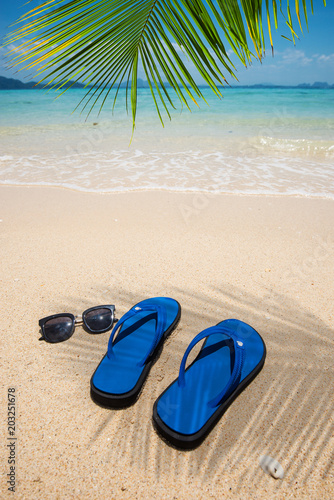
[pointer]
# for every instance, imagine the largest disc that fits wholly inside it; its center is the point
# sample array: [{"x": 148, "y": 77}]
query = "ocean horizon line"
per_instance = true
[{"x": 16, "y": 84}]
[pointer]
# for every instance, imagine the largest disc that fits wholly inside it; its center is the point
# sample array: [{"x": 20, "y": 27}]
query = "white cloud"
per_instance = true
[
  {"x": 12, "y": 47},
  {"x": 298, "y": 58},
  {"x": 295, "y": 56},
  {"x": 326, "y": 58}
]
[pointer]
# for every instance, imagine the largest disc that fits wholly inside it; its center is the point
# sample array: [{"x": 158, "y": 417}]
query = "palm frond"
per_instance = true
[{"x": 103, "y": 43}]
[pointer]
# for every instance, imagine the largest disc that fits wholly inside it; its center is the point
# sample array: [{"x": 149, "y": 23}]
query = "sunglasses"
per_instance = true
[{"x": 60, "y": 327}]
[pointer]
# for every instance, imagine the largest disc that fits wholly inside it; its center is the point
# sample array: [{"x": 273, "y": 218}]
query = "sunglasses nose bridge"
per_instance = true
[{"x": 78, "y": 320}]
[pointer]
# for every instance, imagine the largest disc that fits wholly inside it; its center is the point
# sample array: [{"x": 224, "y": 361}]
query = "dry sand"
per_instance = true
[{"x": 267, "y": 261}]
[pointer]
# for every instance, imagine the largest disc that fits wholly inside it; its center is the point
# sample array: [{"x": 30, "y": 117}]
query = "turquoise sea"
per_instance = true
[{"x": 253, "y": 141}]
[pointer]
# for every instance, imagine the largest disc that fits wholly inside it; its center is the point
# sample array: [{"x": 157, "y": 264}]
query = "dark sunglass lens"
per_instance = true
[
  {"x": 58, "y": 329},
  {"x": 99, "y": 319}
]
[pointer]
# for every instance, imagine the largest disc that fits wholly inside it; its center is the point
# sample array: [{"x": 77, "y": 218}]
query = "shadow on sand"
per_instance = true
[{"x": 286, "y": 412}]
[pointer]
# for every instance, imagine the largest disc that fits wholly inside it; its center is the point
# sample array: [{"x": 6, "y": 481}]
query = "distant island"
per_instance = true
[
  {"x": 315, "y": 85},
  {"x": 13, "y": 84}
]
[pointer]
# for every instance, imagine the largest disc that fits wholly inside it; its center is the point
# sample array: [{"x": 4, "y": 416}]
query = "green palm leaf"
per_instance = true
[{"x": 102, "y": 43}]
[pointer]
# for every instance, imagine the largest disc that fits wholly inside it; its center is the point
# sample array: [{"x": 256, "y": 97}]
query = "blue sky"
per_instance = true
[{"x": 310, "y": 60}]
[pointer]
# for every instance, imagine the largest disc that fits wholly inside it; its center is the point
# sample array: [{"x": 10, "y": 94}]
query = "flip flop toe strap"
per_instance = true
[
  {"x": 161, "y": 320},
  {"x": 239, "y": 358}
]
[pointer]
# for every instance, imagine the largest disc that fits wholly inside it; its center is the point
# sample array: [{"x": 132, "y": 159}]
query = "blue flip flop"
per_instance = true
[
  {"x": 119, "y": 378},
  {"x": 231, "y": 356}
]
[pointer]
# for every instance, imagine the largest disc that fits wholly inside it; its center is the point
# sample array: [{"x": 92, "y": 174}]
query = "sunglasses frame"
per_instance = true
[{"x": 77, "y": 321}]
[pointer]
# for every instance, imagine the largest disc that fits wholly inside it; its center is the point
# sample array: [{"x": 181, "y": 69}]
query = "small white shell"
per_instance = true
[{"x": 271, "y": 466}]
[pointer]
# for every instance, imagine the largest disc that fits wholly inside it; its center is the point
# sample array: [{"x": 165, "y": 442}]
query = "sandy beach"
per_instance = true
[{"x": 268, "y": 261}]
